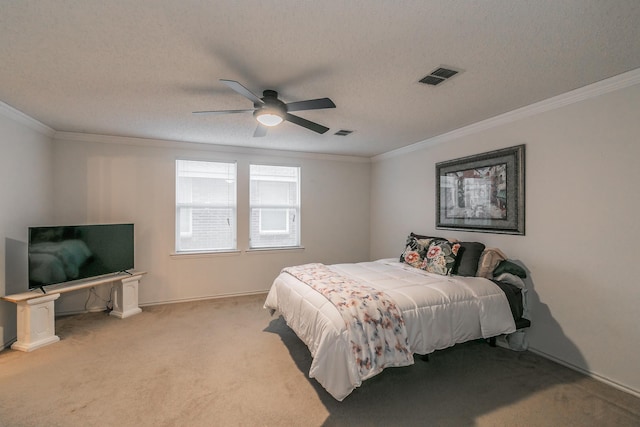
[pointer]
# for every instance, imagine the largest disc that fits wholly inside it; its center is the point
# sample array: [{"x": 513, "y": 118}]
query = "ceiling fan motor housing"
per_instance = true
[{"x": 272, "y": 105}]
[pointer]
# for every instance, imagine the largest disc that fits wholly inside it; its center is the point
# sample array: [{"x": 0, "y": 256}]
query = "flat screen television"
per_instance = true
[{"x": 59, "y": 254}]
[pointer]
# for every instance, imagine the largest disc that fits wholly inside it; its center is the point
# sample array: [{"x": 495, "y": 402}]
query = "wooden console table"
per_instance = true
[{"x": 36, "y": 314}]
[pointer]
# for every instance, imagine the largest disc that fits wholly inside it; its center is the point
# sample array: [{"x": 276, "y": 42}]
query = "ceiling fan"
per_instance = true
[{"x": 271, "y": 111}]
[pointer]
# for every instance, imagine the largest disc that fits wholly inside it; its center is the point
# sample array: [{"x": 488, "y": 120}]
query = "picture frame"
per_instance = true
[{"x": 482, "y": 193}]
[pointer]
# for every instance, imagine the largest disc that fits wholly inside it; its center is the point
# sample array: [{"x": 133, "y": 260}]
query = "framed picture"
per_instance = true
[{"x": 483, "y": 193}]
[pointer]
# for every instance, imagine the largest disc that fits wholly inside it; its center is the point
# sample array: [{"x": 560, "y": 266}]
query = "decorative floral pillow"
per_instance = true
[
  {"x": 415, "y": 251},
  {"x": 440, "y": 257},
  {"x": 412, "y": 258}
]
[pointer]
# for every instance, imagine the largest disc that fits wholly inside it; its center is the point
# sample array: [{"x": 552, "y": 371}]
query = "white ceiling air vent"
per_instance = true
[{"x": 439, "y": 75}]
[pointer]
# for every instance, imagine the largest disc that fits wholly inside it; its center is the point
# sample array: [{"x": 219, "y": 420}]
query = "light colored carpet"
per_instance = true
[{"x": 228, "y": 363}]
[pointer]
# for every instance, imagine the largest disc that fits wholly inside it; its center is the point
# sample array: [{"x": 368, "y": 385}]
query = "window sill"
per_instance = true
[
  {"x": 236, "y": 252},
  {"x": 203, "y": 254},
  {"x": 253, "y": 251}
]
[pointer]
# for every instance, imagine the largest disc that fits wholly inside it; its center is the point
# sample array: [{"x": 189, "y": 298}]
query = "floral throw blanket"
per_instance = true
[{"x": 375, "y": 325}]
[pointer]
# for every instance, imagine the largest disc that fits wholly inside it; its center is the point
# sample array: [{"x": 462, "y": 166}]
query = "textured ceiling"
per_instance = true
[{"x": 139, "y": 68}]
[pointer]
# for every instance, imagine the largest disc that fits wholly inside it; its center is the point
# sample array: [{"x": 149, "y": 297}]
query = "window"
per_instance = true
[
  {"x": 205, "y": 206},
  {"x": 274, "y": 206},
  {"x": 274, "y": 221}
]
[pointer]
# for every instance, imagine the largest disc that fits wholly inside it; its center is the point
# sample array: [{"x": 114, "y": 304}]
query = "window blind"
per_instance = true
[
  {"x": 274, "y": 206},
  {"x": 206, "y": 206}
]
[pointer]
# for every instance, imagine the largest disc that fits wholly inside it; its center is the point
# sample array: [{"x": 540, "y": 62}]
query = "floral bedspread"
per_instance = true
[{"x": 375, "y": 325}]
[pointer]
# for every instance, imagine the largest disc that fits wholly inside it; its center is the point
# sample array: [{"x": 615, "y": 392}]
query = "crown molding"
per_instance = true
[
  {"x": 621, "y": 81},
  {"x": 182, "y": 145},
  {"x": 20, "y": 117}
]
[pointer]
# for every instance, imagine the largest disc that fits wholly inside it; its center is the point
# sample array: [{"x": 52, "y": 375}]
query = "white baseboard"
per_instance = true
[
  {"x": 174, "y": 301},
  {"x": 74, "y": 312},
  {"x": 593, "y": 375},
  {"x": 205, "y": 298}
]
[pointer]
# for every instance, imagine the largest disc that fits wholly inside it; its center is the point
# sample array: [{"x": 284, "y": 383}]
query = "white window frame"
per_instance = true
[
  {"x": 290, "y": 209},
  {"x": 231, "y": 204}
]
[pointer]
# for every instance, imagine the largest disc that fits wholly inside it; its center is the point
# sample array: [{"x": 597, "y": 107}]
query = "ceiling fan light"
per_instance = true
[{"x": 268, "y": 118}]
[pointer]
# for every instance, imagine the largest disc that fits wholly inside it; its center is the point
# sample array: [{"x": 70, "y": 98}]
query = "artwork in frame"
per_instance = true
[{"x": 483, "y": 192}]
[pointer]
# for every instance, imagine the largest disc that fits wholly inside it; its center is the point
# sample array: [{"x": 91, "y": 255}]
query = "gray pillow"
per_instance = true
[{"x": 468, "y": 257}]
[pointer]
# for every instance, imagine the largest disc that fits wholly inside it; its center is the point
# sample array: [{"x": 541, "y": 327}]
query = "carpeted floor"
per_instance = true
[{"x": 228, "y": 363}]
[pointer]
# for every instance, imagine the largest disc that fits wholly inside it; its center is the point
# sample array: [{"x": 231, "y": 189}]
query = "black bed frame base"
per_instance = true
[
  {"x": 520, "y": 324},
  {"x": 491, "y": 341}
]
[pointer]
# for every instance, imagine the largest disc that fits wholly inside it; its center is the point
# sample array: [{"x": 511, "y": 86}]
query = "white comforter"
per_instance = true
[{"x": 439, "y": 312}]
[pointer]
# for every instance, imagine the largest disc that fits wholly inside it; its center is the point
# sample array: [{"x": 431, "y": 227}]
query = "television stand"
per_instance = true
[{"x": 36, "y": 313}]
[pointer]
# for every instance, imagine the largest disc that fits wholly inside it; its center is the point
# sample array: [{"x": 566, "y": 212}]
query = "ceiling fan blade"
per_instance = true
[
  {"x": 305, "y": 123},
  {"x": 243, "y": 91},
  {"x": 224, "y": 112},
  {"x": 261, "y": 130},
  {"x": 312, "y": 104}
]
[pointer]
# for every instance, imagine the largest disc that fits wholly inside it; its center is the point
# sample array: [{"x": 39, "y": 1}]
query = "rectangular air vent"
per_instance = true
[
  {"x": 431, "y": 80},
  {"x": 444, "y": 73},
  {"x": 343, "y": 132},
  {"x": 438, "y": 76}
]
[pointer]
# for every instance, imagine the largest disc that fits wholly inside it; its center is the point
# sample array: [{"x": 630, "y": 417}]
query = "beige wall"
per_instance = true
[
  {"x": 26, "y": 195},
  {"x": 126, "y": 180},
  {"x": 582, "y": 224}
]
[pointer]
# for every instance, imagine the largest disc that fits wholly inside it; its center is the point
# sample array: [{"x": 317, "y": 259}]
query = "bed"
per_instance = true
[{"x": 420, "y": 311}]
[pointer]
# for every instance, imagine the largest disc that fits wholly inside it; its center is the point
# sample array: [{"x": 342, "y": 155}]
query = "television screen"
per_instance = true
[{"x": 68, "y": 253}]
